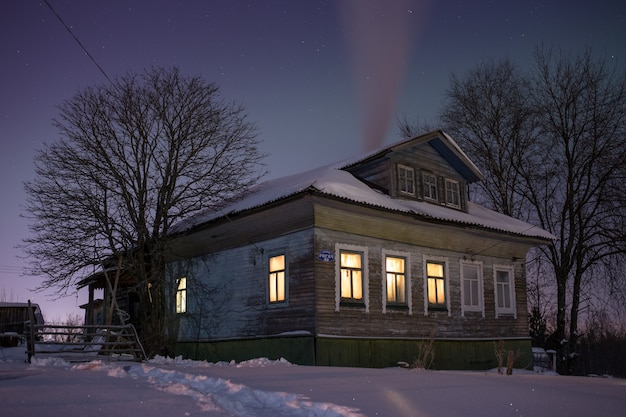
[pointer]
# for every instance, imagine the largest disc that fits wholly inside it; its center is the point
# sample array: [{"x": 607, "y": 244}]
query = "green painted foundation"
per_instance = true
[
  {"x": 360, "y": 352},
  {"x": 299, "y": 350},
  {"x": 448, "y": 354}
]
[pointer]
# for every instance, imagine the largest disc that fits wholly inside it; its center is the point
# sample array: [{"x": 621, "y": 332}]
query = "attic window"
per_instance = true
[
  {"x": 406, "y": 180},
  {"x": 453, "y": 195},
  {"x": 430, "y": 186}
]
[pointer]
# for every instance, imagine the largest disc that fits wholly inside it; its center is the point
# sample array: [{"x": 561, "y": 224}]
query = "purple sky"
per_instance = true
[{"x": 323, "y": 80}]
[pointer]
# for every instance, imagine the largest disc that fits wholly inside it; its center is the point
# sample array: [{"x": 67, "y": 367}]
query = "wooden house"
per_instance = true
[{"x": 367, "y": 262}]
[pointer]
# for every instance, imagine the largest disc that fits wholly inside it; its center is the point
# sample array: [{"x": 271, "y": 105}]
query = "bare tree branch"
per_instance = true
[{"x": 134, "y": 158}]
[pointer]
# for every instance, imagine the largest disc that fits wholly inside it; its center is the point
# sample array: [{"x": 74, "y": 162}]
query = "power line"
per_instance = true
[
  {"x": 11, "y": 268},
  {"x": 78, "y": 41}
]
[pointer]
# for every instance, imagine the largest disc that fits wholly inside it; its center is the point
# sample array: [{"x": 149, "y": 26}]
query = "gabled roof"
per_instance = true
[
  {"x": 333, "y": 180},
  {"x": 443, "y": 144}
]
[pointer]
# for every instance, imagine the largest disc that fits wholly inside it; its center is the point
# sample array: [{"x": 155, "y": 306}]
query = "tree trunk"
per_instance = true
[
  {"x": 573, "y": 324},
  {"x": 561, "y": 314}
]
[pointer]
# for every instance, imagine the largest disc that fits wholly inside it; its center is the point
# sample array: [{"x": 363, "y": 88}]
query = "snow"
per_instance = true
[
  {"x": 333, "y": 181},
  {"x": 166, "y": 387}
]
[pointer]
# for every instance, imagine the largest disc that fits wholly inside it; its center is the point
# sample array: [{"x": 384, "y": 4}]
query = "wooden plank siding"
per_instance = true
[
  {"x": 236, "y": 268},
  {"x": 230, "y": 296},
  {"x": 236, "y": 230},
  {"x": 378, "y": 231},
  {"x": 377, "y": 172},
  {"x": 359, "y": 220}
]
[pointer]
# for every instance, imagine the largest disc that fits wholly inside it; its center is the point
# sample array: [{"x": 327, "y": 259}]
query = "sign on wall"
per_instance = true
[{"x": 326, "y": 256}]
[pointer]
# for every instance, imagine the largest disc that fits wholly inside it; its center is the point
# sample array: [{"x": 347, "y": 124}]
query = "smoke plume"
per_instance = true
[{"x": 378, "y": 36}]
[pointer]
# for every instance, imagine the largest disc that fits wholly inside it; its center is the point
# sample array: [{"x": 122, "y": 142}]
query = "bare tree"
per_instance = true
[
  {"x": 488, "y": 113},
  {"x": 70, "y": 333},
  {"x": 581, "y": 112},
  {"x": 541, "y": 297},
  {"x": 552, "y": 145},
  {"x": 205, "y": 307},
  {"x": 407, "y": 128},
  {"x": 134, "y": 158}
]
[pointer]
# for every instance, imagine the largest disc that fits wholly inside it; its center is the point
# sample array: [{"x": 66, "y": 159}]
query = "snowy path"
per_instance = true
[
  {"x": 167, "y": 388},
  {"x": 36, "y": 391},
  {"x": 397, "y": 392}
]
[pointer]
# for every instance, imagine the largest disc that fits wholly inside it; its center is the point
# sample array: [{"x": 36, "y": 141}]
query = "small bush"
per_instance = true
[
  {"x": 501, "y": 353},
  {"x": 425, "y": 353}
]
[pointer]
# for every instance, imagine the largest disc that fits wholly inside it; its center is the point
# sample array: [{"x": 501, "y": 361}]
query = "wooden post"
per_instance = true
[
  {"x": 30, "y": 337},
  {"x": 88, "y": 319}
]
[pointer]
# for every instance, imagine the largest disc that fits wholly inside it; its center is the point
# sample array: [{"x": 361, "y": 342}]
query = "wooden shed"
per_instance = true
[{"x": 13, "y": 319}]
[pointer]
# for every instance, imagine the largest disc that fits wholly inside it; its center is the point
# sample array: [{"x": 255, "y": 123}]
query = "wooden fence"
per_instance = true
[
  {"x": 85, "y": 342},
  {"x": 79, "y": 343}
]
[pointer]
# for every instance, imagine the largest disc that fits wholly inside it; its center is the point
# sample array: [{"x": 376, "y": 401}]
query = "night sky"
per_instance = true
[{"x": 323, "y": 80}]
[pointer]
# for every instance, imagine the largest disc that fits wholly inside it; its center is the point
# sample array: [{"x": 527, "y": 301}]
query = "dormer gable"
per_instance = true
[{"x": 430, "y": 167}]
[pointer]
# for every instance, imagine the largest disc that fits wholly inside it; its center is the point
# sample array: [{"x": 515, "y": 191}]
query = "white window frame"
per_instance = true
[
  {"x": 286, "y": 278},
  {"x": 512, "y": 308},
  {"x": 450, "y": 194},
  {"x": 339, "y": 247},
  {"x": 407, "y": 278},
  {"x": 446, "y": 277},
  {"x": 481, "y": 299},
  {"x": 403, "y": 180},
  {"x": 430, "y": 186}
]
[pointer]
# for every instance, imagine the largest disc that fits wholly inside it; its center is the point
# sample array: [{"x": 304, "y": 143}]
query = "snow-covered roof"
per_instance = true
[{"x": 333, "y": 181}]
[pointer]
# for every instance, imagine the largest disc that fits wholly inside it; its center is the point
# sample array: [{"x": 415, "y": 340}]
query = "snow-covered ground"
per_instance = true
[{"x": 166, "y": 387}]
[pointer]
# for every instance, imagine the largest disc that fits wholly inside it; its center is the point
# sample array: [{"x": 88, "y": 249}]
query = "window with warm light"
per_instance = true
[
  {"x": 181, "y": 296},
  {"x": 471, "y": 286},
  {"x": 453, "y": 194},
  {"x": 396, "y": 280},
  {"x": 504, "y": 290},
  {"x": 436, "y": 285},
  {"x": 406, "y": 180},
  {"x": 351, "y": 271},
  {"x": 429, "y": 182},
  {"x": 277, "y": 283}
]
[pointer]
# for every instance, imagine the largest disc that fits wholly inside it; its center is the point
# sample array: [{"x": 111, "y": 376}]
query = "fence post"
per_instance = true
[{"x": 30, "y": 337}]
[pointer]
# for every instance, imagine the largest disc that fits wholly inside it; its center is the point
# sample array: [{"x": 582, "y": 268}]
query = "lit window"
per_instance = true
[
  {"x": 436, "y": 285},
  {"x": 351, "y": 277},
  {"x": 406, "y": 180},
  {"x": 277, "y": 279},
  {"x": 471, "y": 286},
  {"x": 453, "y": 196},
  {"x": 351, "y": 282},
  {"x": 181, "y": 295},
  {"x": 504, "y": 290},
  {"x": 430, "y": 186},
  {"x": 396, "y": 280}
]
